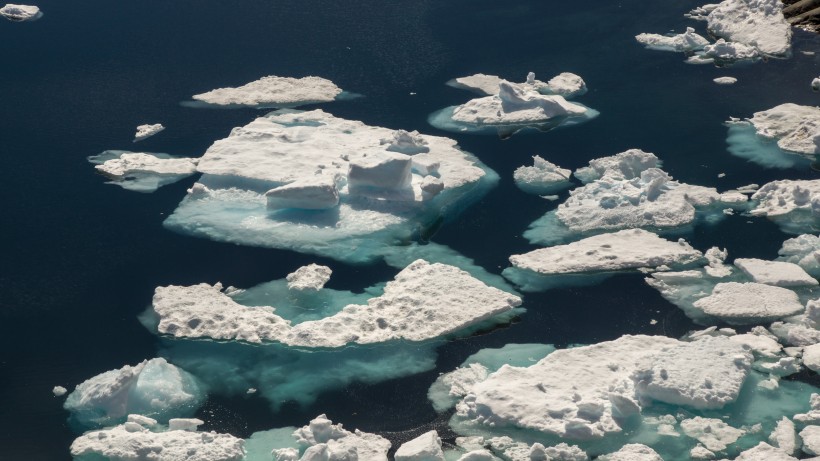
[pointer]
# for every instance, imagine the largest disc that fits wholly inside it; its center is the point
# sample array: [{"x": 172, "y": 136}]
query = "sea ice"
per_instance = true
[
  {"x": 19, "y": 13},
  {"x": 687, "y": 41},
  {"x": 146, "y": 131},
  {"x": 778, "y": 273},
  {"x": 142, "y": 172},
  {"x": 723, "y": 52},
  {"x": 542, "y": 178},
  {"x": 796, "y": 128},
  {"x": 271, "y": 92},
  {"x": 311, "y": 277},
  {"x": 632, "y": 452},
  {"x": 794, "y": 205},
  {"x": 714, "y": 434},
  {"x": 757, "y": 23},
  {"x": 323, "y": 440},
  {"x": 59, "y": 391},
  {"x": 565, "y": 84},
  {"x": 387, "y": 195},
  {"x": 744, "y": 142},
  {"x": 815, "y": 84},
  {"x": 810, "y": 436},
  {"x": 764, "y": 452},
  {"x": 725, "y": 80},
  {"x": 153, "y": 387},
  {"x": 426, "y": 447},
  {"x": 784, "y": 437}
]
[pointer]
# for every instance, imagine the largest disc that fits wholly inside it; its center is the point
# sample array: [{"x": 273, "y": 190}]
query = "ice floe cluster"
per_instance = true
[
  {"x": 19, "y": 13},
  {"x": 270, "y": 92},
  {"x": 510, "y": 107}
]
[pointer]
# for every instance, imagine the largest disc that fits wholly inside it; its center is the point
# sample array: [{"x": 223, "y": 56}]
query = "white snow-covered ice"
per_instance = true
[
  {"x": 725, "y": 80},
  {"x": 542, "y": 178},
  {"x": 146, "y": 131},
  {"x": 142, "y": 172},
  {"x": 19, "y": 13},
  {"x": 271, "y": 92},
  {"x": 687, "y": 41},
  {"x": 757, "y": 23}
]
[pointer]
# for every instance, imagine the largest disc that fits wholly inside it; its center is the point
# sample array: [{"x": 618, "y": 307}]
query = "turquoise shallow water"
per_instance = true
[{"x": 81, "y": 258}]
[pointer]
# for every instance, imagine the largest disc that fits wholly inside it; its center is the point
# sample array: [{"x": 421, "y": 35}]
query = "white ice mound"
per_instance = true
[
  {"x": 311, "y": 277},
  {"x": 764, "y": 452},
  {"x": 142, "y": 172},
  {"x": 386, "y": 193},
  {"x": 424, "y": 301},
  {"x": 628, "y": 164},
  {"x": 154, "y": 387},
  {"x": 803, "y": 250},
  {"x": 687, "y": 41},
  {"x": 713, "y": 433},
  {"x": 632, "y": 452},
  {"x": 796, "y": 128},
  {"x": 724, "y": 53},
  {"x": 622, "y": 250},
  {"x": 323, "y": 440},
  {"x": 757, "y": 23},
  {"x": 426, "y": 447},
  {"x": 20, "y": 12},
  {"x": 272, "y": 91},
  {"x": 742, "y": 303},
  {"x": 146, "y": 131},
  {"x": 515, "y": 106},
  {"x": 725, "y": 80},
  {"x": 542, "y": 178},
  {"x": 133, "y": 441},
  {"x": 777, "y": 273},
  {"x": 794, "y": 205},
  {"x": 586, "y": 392},
  {"x": 565, "y": 84},
  {"x": 815, "y": 84}
]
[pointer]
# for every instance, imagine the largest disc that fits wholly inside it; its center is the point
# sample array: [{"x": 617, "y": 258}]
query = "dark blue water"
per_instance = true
[{"x": 80, "y": 259}]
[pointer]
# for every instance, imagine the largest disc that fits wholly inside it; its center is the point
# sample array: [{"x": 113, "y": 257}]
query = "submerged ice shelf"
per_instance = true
[
  {"x": 142, "y": 171},
  {"x": 270, "y": 92}
]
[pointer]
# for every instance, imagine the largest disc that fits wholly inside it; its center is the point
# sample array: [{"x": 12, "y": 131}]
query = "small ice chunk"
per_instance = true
[
  {"x": 388, "y": 170},
  {"x": 725, "y": 81},
  {"x": 406, "y": 142},
  {"x": 541, "y": 178},
  {"x": 701, "y": 453},
  {"x": 632, "y": 452},
  {"x": 815, "y": 84},
  {"x": 309, "y": 278},
  {"x": 567, "y": 85},
  {"x": 714, "y": 434},
  {"x": 19, "y": 13},
  {"x": 803, "y": 250},
  {"x": 481, "y": 83},
  {"x": 143, "y": 171},
  {"x": 724, "y": 51},
  {"x": 321, "y": 437},
  {"x": 251, "y": 390},
  {"x": 784, "y": 437},
  {"x": 743, "y": 303},
  {"x": 143, "y": 421},
  {"x": 687, "y": 41},
  {"x": 783, "y": 197},
  {"x": 59, "y": 391},
  {"x": 318, "y": 192},
  {"x": 146, "y": 131},
  {"x": 184, "y": 424},
  {"x": 811, "y": 440},
  {"x": 777, "y": 273},
  {"x": 273, "y": 91},
  {"x": 426, "y": 447},
  {"x": 628, "y": 164},
  {"x": 764, "y": 452},
  {"x": 431, "y": 186}
]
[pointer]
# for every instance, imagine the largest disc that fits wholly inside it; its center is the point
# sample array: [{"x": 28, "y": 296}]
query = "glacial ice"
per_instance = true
[
  {"x": 792, "y": 204},
  {"x": 146, "y": 131},
  {"x": 19, "y": 13},
  {"x": 687, "y": 41},
  {"x": 302, "y": 160},
  {"x": 725, "y": 80},
  {"x": 511, "y": 107},
  {"x": 426, "y": 447},
  {"x": 542, "y": 178},
  {"x": 142, "y": 172},
  {"x": 757, "y": 23},
  {"x": 153, "y": 388},
  {"x": 271, "y": 92},
  {"x": 773, "y": 137},
  {"x": 744, "y": 142},
  {"x": 580, "y": 262}
]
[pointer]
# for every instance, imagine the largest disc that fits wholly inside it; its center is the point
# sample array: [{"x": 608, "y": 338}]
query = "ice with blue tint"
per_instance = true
[
  {"x": 392, "y": 186},
  {"x": 793, "y": 205},
  {"x": 744, "y": 142},
  {"x": 152, "y": 388},
  {"x": 142, "y": 171},
  {"x": 511, "y": 107},
  {"x": 270, "y": 92},
  {"x": 542, "y": 178}
]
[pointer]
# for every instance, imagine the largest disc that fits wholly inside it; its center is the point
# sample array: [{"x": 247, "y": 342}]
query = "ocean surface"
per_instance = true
[{"x": 80, "y": 259}]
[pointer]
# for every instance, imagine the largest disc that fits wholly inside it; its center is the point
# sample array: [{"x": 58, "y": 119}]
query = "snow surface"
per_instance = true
[
  {"x": 146, "y": 131},
  {"x": 273, "y": 91},
  {"x": 311, "y": 277},
  {"x": 318, "y": 192},
  {"x": 565, "y": 84},
  {"x": 796, "y": 128},
  {"x": 323, "y": 440},
  {"x": 743, "y": 303},
  {"x": 687, "y": 41},
  {"x": 793, "y": 204},
  {"x": 803, "y": 250},
  {"x": 628, "y": 164},
  {"x": 725, "y": 80},
  {"x": 424, "y": 301},
  {"x": 757, "y": 23},
  {"x": 764, "y": 452},
  {"x": 426, "y": 447},
  {"x": 724, "y": 52},
  {"x": 14, "y": 12},
  {"x": 153, "y": 387},
  {"x": 142, "y": 172},
  {"x": 777, "y": 273},
  {"x": 542, "y": 178},
  {"x": 633, "y": 452}
]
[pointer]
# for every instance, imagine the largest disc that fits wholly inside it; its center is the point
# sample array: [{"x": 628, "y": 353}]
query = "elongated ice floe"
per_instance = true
[
  {"x": 514, "y": 106},
  {"x": 140, "y": 171},
  {"x": 687, "y": 41},
  {"x": 20, "y": 13},
  {"x": 146, "y": 131},
  {"x": 315, "y": 183},
  {"x": 272, "y": 92},
  {"x": 622, "y": 250},
  {"x": 725, "y": 80},
  {"x": 153, "y": 387},
  {"x": 423, "y": 302},
  {"x": 565, "y": 84},
  {"x": 758, "y": 23},
  {"x": 633, "y": 452},
  {"x": 139, "y": 439},
  {"x": 542, "y": 178}
]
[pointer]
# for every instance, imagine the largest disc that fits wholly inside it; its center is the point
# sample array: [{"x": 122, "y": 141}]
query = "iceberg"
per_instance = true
[
  {"x": 153, "y": 388},
  {"x": 687, "y": 41},
  {"x": 723, "y": 53},
  {"x": 565, "y": 84},
  {"x": 309, "y": 278},
  {"x": 274, "y": 182},
  {"x": 757, "y": 23},
  {"x": 542, "y": 178},
  {"x": 19, "y": 13},
  {"x": 146, "y": 131},
  {"x": 270, "y": 92},
  {"x": 323, "y": 440},
  {"x": 794, "y": 205},
  {"x": 142, "y": 172}
]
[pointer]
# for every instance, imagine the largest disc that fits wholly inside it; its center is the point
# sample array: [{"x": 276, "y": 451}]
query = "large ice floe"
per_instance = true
[
  {"x": 153, "y": 388},
  {"x": 625, "y": 191},
  {"x": 19, "y": 13},
  {"x": 637, "y": 397},
  {"x": 510, "y": 107},
  {"x": 784, "y": 136},
  {"x": 303, "y": 342},
  {"x": 315, "y": 183},
  {"x": 142, "y": 171},
  {"x": 590, "y": 260},
  {"x": 270, "y": 92}
]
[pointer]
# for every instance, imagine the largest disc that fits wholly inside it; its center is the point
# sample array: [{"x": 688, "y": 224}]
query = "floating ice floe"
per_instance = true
[
  {"x": 59, "y": 391},
  {"x": 542, "y": 178},
  {"x": 154, "y": 387},
  {"x": 687, "y": 41},
  {"x": 632, "y": 452},
  {"x": 323, "y": 440},
  {"x": 815, "y": 84},
  {"x": 725, "y": 80},
  {"x": 757, "y": 23},
  {"x": 724, "y": 53},
  {"x": 142, "y": 172},
  {"x": 314, "y": 183},
  {"x": 803, "y": 250},
  {"x": 626, "y": 191},
  {"x": 19, "y": 13},
  {"x": 270, "y": 92},
  {"x": 142, "y": 439},
  {"x": 793, "y": 205},
  {"x": 146, "y": 131},
  {"x": 311, "y": 278},
  {"x": 511, "y": 107},
  {"x": 426, "y": 447},
  {"x": 589, "y": 260},
  {"x": 772, "y": 137}
]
